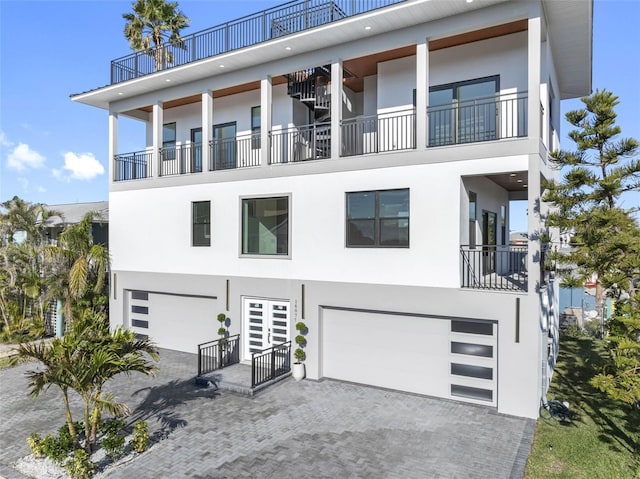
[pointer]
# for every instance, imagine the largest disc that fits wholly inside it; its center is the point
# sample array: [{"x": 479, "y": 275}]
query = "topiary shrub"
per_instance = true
[{"x": 140, "y": 440}]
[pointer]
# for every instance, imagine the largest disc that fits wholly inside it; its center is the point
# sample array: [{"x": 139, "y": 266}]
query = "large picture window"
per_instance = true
[
  {"x": 265, "y": 226},
  {"x": 201, "y": 223},
  {"x": 378, "y": 219}
]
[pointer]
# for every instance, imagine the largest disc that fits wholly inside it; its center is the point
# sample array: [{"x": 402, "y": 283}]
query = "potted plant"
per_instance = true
[{"x": 297, "y": 370}]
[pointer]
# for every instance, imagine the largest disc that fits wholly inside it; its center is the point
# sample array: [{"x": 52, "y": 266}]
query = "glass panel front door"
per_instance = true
[
  {"x": 489, "y": 236},
  {"x": 477, "y": 112}
]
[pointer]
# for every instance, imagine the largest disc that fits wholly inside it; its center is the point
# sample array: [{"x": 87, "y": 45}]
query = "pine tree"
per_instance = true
[{"x": 589, "y": 200}]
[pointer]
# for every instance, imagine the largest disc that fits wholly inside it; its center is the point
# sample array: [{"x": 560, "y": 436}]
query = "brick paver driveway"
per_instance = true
[{"x": 307, "y": 429}]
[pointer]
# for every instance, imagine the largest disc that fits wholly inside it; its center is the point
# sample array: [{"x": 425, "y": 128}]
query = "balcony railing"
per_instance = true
[
  {"x": 181, "y": 159},
  {"x": 300, "y": 143},
  {"x": 494, "y": 267},
  {"x": 275, "y": 22},
  {"x": 379, "y": 133},
  {"x": 480, "y": 119},
  {"x": 132, "y": 166},
  {"x": 230, "y": 153}
]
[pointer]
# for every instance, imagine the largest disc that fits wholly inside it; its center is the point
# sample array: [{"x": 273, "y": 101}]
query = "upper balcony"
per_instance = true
[{"x": 272, "y": 23}]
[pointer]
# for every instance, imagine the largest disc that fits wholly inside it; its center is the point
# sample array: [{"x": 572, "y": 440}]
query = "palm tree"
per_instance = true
[{"x": 155, "y": 22}]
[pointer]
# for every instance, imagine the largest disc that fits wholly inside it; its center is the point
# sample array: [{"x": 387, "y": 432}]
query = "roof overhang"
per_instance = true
[{"x": 570, "y": 25}]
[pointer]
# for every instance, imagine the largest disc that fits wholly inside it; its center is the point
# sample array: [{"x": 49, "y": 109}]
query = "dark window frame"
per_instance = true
[
  {"x": 206, "y": 241},
  {"x": 249, "y": 254},
  {"x": 377, "y": 220},
  {"x": 168, "y": 155}
]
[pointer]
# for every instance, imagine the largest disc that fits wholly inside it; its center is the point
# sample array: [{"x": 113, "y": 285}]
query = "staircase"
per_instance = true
[{"x": 311, "y": 87}]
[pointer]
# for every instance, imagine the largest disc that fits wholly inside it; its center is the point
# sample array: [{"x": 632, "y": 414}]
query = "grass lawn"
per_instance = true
[{"x": 601, "y": 441}]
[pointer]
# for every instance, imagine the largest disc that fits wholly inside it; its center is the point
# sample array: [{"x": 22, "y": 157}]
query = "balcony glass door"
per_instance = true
[
  {"x": 463, "y": 112},
  {"x": 489, "y": 237},
  {"x": 195, "y": 152},
  {"x": 224, "y": 146}
]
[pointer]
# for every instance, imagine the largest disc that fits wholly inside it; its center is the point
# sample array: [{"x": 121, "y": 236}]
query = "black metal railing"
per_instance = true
[
  {"x": 218, "y": 354},
  {"x": 379, "y": 133},
  {"x": 481, "y": 119},
  {"x": 275, "y": 22},
  {"x": 132, "y": 166},
  {"x": 300, "y": 143},
  {"x": 181, "y": 159},
  {"x": 230, "y": 153},
  {"x": 494, "y": 267},
  {"x": 270, "y": 363}
]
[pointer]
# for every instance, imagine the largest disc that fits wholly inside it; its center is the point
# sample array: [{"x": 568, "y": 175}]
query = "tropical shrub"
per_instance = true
[
  {"x": 140, "y": 440},
  {"x": 80, "y": 466}
]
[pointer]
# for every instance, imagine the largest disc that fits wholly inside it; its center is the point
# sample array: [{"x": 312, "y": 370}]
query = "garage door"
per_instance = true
[
  {"x": 433, "y": 356},
  {"x": 172, "y": 321}
]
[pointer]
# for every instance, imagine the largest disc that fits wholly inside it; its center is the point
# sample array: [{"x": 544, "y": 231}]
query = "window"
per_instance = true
[
  {"x": 265, "y": 226},
  {"x": 169, "y": 141},
  {"x": 378, "y": 218},
  {"x": 255, "y": 127},
  {"x": 503, "y": 224},
  {"x": 201, "y": 223}
]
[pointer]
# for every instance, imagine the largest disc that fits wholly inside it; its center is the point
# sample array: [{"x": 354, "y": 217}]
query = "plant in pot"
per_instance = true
[
  {"x": 297, "y": 370},
  {"x": 222, "y": 343}
]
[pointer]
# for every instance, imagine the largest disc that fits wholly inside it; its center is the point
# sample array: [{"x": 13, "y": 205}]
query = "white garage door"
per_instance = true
[
  {"x": 411, "y": 353},
  {"x": 172, "y": 321}
]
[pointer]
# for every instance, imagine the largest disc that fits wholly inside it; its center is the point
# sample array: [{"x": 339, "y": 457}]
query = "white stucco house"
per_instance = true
[{"x": 351, "y": 164}]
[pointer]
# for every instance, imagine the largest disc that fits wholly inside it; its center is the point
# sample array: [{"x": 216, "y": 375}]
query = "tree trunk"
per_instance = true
[{"x": 72, "y": 428}]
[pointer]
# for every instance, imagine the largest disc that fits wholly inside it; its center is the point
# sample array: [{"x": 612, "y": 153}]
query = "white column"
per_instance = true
[
  {"x": 207, "y": 128},
  {"x": 533, "y": 68},
  {"x": 113, "y": 144},
  {"x": 336, "y": 107},
  {"x": 266, "y": 100},
  {"x": 157, "y": 135},
  {"x": 422, "y": 92},
  {"x": 533, "y": 119}
]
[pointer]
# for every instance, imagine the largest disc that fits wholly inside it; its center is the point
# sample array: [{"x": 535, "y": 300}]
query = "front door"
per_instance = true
[
  {"x": 266, "y": 324},
  {"x": 489, "y": 237}
]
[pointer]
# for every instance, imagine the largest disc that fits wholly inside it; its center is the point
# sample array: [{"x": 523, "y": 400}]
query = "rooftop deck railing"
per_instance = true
[{"x": 275, "y": 22}]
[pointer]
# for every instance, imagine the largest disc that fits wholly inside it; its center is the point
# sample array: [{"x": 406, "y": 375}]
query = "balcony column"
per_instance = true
[
  {"x": 207, "y": 128},
  {"x": 156, "y": 124},
  {"x": 422, "y": 92},
  {"x": 336, "y": 107},
  {"x": 266, "y": 100},
  {"x": 533, "y": 125},
  {"x": 113, "y": 143}
]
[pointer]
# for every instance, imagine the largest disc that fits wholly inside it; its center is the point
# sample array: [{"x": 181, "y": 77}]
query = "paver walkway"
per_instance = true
[{"x": 303, "y": 430}]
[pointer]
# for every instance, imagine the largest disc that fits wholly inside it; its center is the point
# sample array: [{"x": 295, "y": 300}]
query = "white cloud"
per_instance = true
[
  {"x": 23, "y": 157},
  {"x": 24, "y": 183},
  {"x": 3, "y": 140},
  {"x": 83, "y": 166},
  {"x": 41, "y": 189}
]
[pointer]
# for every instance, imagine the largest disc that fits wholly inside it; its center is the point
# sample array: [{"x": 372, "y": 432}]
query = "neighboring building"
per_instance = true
[
  {"x": 73, "y": 213},
  {"x": 353, "y": 169}
]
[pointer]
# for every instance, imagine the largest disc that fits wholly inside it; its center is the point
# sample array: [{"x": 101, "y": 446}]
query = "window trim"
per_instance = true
[
  {"x": 376, "y": 220},
  {"x": 193, "y": 225},
  {"x": 289, "y": 197}
]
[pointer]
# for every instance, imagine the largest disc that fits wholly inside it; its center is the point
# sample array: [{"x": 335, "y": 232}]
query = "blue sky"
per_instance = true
[{"x": 53, "y": 150}]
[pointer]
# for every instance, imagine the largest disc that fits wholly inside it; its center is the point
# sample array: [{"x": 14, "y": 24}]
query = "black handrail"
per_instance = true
[
  {"x": 218, "y": 354},
  {"x": 494, "y": 267},
  {"x": 265, "y": 25},
  {"x": 270, "y": 363}
]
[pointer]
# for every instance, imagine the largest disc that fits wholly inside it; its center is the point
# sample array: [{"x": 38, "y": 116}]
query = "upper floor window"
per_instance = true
[
  {"x": 169, "y": 141},
  {"x": 255, "y": 127},
  {"x": 201, "y": 223},
  {"x": 265, "y": 226},
  {"x": 378, "y": 218}
]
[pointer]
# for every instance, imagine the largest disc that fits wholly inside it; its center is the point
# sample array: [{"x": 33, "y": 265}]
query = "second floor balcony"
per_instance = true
[{"x": 494, "y": 118}]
